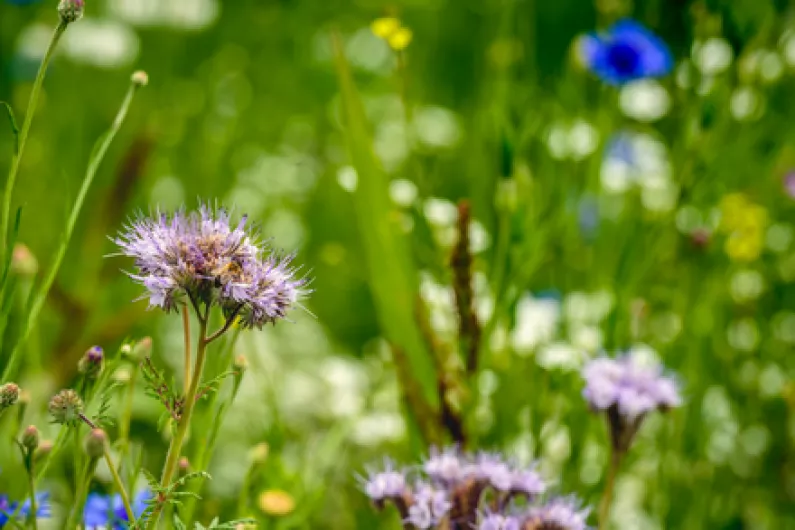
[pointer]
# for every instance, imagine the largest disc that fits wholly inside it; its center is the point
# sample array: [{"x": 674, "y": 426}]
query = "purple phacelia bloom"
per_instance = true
[
  {"x": 497, "y": 521},
  {"x": 204, "y": 257},
  {"x": 527, "y": 482},
  {"x": 626, "y": 52},
  {"x": 557, "y": 514},
  {"x": 789, "y": 184},
  {"x": 429, "y": 507},
  {"x": 445, "y": 467},
  {"x": 627, "y": 390},
  {"x": 497, "y": 473},
  {"x": 383, "y": 485}
]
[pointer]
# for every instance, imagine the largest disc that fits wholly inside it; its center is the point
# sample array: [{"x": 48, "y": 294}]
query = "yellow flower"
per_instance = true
[
  {"x": 276, "y": 502},
  {"x": 385, "y": 27},
  {"x": 731, "y": 209},
  {"x": 400, "y": 39},
  {"x": 745, "y": 244}
]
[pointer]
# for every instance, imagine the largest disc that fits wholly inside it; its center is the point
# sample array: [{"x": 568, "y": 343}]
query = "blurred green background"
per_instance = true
[{"x": 487, "y": 103}]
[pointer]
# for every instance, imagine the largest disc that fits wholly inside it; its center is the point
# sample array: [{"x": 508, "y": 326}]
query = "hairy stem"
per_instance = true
[
  {"x": 186, "y": 331},
  {"x": 607, "y": 496},
  {"x": 175, "y": 447},
  {"x": 23, "y": 135}
]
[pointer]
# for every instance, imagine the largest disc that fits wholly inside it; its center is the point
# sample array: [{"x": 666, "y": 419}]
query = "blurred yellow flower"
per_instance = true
[
  {"x": 276, "y": 502},
  {"x": 745, "y": 224},
  {"x": 400, "y": 39},
  {"x": 390, "y": 29},
  {"x": 745, "y": 245},
  {"x": 384, "y": 27}
]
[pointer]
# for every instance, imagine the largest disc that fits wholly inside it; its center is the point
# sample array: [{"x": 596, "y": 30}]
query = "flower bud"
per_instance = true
[
  {"x": 23, "y": 262},
  {"x": 92, "y": 362},
  {"x": 184, "y": 466},
  {"x": 9, "y": 394},
  {"x": 140, "y": 78},
  {"x": 43, "y": 451},
  {"x": 66, "y": 407},
  {"x": 95, "y": 443},
  {"x": 30, "y": 438},
  {"x": 71, "y": 10},
  {"x": 239, "y": 366},
  {"x": 141, "y": 349}
]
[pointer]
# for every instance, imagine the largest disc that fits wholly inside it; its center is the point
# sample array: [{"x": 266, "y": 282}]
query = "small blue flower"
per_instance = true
[
  {"x": 104, "y": 511},
  {"x": 627, "y": 51},
  {"x": 7, "y": 508}
]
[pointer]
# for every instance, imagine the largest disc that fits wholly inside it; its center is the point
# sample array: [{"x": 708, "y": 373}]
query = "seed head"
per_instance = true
[
  {"x": 140, "y": 78},
  {"x": 30, "y": 438},
  {"x": 9, "y": 395},
  {"x": 92, "y": 362},
  {"x": 66, "y": 407},
  {"x": 71, "y": 10},
  {"x": 95, "y": 443}
]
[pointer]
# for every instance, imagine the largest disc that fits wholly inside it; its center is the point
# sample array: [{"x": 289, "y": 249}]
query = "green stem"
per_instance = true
[
  {"x": 175, "y": 447},
  {"x": 80, "y": 494},
  {"x": 607, "y": 496},
  {"x": 93, "y": 165},
  {"x": 125, "y": 498},
  {"x": 23, "y": 135},
  {"x": 124, "y": 427},
  {"x": 32, "y": 487}
]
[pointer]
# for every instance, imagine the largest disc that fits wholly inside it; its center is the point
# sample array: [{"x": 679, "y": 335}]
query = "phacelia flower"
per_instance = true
[
  {"x": 92, "y": 362},
  {"x": 557, "y": 514},
  {"x": 429, "y": 507},
  {"x": 203, "y": 256},
  {"x": 627, "y": 51},
  {"x": 7, "y": 508},
  {"x": 627, "y": 390},
  {"x": 104, "y": 511},
  {"x": 497, "y": 521},
  {"x": 66, "y": 407}
]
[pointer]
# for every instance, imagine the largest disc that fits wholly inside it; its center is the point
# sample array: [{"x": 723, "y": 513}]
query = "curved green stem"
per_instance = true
[
  {"x": 125, "y": 498},
  {"x": 607, "y": 496},
  {"x": 175, "y": 447},
  {"x": 23, "y": 136}
]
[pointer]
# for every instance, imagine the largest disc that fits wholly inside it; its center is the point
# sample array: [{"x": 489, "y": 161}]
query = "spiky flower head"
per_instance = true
[
  {"x": 9, "y": 395},
  {"x": 430, "y": 507},
  {"x": 202, "y": 256},
  {"x": 71, "y": 10},
  {"x": 562, "y": 513},
  {"x": 496, "y": 521},
  {"x": 92, "y": 362},
  {"x": 627, "y": 389},
  {"x": 66, "y": 407},
  {"x": 30, "y": 438}
]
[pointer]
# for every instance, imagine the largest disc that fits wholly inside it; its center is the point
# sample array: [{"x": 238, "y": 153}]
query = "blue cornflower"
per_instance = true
[
  {"x": 7, "y": 508},
  {"x": 105, "y": 511},
  {"x": 627, "y": 51}
]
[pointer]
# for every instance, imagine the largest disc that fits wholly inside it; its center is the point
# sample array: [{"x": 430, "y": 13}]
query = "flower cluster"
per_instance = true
[
  {"x": 7, "y": 508},
  {"x": 626, "y": 52},
  {"x": 213, "y": 262},
  {"x": 627, "y": 389},
  {"x": 454, "y": 490},
  {"x": 105, "y": 511}
]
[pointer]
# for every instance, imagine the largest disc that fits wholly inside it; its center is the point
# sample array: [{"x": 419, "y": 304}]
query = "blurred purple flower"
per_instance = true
[
  {"x": 627, "y": 51},
  {"x": 497, "y": 521},
  {"x": 558, "y": 514},
  {"x": 383, "y": 485},
  {"x": 212, "y": 262},
  {"x": 429, "y": 506},
  {"x": 789, "y": 184}
]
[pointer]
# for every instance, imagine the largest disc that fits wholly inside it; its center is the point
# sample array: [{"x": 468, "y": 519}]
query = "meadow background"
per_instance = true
[{"x": 677, "y": 243}]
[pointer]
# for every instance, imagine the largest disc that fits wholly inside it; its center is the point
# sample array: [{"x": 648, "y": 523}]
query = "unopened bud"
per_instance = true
[
  {"x": 9, "y": 394},
  {"x": 184, "y": 466},
  {"x": 23, "y": 262},
  {"x": 140, "y": 78},
  {"x": 259, "y": 453},
  {"x": 66, "y": 407},
  {"x": 91, "y": 363},
  {"x": 95, "y": 443},
  {"x": 71, "y": 10},
  {"x": 44, "y": 449},
  {"x": 240, "y": 363},
  {"x": 30, "y": 438}
]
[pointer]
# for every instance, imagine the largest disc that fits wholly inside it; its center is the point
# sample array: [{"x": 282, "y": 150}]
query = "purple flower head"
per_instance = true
[
  {"x": 497, "y": 521},
  {"x": 386, "y": 484},
  {"x": 429, "y": 507},
  {"x": 527, "y": 482},
  {"x": 789, "y": 184},
  {"x": 445, "y": 467},
  {"x": 491, "y": 468},
  {"x": 201, "y": 255},
  {"x": 627, "y": 51},
  {"x": 562, "y": 513}
]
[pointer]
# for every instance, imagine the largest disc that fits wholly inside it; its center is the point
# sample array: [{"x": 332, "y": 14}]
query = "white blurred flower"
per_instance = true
[
  {"x": 390, "y": 143},
  {"x": 437, "y": 127},
  {"x": 377, "y": 428},
  {"x": 744, "y": 103},
  {"x": 440, "y": 301},
  {"x": 403, "y": 192},
  {"x": 560, "y": 355},
  {"x": 743, "y": 334},
  {"x": 182, "y": 14},
  {"x": 746, "y": 285},
  {"x": 634, "y": 159},
  {"x": 479, "y": 237},
  {"x": 440, "y": 212},
  {"x": 645, "y": 100},
  {"x": 659, "y": 195},
  {"x": 586, "y": 337},
  {"x": 587, "y": 308},
  {"x": 347, "y": 178},
  {"x": 367, "y": 51},
  {"x": 103, "y": 43},
  {"x": 536, "y": 322},
  {"x": 583, "y": 139},
  {"x": 558, "y": 141},
  {"x": 712, "y": 56}
]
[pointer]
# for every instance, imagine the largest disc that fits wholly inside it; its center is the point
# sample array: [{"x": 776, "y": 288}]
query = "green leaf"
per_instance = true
[
  {"x": 393, "y": 278},
  {"x": 14, "y": 127}
]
